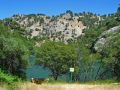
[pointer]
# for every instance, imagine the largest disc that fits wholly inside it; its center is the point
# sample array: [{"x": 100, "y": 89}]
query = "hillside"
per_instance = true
[
  {"x": 85, "y": 41},
  {"x": 64, "y": 27},
  {"x": 106, "y": 38}
]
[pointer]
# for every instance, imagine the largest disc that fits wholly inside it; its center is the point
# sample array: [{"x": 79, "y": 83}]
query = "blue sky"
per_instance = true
[{"x": 55, "y": 7}]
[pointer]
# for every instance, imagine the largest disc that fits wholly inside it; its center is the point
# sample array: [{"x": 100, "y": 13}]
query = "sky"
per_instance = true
[{"x": 55, "y": 7}]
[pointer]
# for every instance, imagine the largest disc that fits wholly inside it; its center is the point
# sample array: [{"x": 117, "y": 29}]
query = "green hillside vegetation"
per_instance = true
[
  {"x": 7, "y": 78},
  {"x": 14, "y": 52},
  {"x": 89, "y": 64},
  {"x": 57, "y": 57}
]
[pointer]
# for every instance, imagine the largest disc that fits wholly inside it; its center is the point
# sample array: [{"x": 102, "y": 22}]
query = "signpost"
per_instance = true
[{"x": 71, "y": 71}]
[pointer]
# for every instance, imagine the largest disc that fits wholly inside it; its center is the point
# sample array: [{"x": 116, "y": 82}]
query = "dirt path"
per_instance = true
[{"x": 31, "y": 86}]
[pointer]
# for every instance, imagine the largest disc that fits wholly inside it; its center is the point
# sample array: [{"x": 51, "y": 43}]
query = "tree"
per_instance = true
[
  {"x": 57, "y": 57},
  {"x": 117, "y": 66},
  {"x": 13, "y": 51},
  {"x": 12, "y": 56},
  {"x": 70, "y": 12},
  {"x": 114, "y": 55},
  {"x": 118, "y": 13},
  {"x": 111, "y": 55},
  {"x": 118, "y": 10}
]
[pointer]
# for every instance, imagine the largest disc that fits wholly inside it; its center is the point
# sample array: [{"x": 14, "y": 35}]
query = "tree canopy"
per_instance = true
[{"x": 58, "y": 57}]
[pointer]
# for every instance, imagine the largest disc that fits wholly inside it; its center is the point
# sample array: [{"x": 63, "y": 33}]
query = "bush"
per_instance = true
[{"x": 6, "y": 78}]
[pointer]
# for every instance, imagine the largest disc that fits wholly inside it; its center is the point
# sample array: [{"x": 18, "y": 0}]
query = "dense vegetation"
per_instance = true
[
  {"x": 14, "y": 51},
  {"x": 89, "y": 64},
  {"x": 57, "y": 57}
]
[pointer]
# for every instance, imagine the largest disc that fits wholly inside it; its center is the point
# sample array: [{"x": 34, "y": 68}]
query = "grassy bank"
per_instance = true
[
  {"x": 61, "y": 86},
  {"x": 30, "y": 86}
]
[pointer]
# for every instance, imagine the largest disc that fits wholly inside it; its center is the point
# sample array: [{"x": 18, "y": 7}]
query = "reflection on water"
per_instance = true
[
  {"x": 93, "y": 71},
  {"x": 37, "y": 71}
]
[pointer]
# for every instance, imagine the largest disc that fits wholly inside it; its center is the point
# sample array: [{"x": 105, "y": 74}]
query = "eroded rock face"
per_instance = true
[
  {"x": 61, "y": 28},
  {"x": 105, "y": 37}
]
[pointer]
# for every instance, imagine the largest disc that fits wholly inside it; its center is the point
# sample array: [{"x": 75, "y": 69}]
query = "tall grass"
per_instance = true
[
  {"x": 62, "y": 85},
  {"x": 51, "y": 86},
  {"x": 70, "y": 87}
]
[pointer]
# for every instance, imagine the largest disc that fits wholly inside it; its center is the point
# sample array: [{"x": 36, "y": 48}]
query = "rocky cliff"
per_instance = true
[{"x": 64, "y": 27}]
